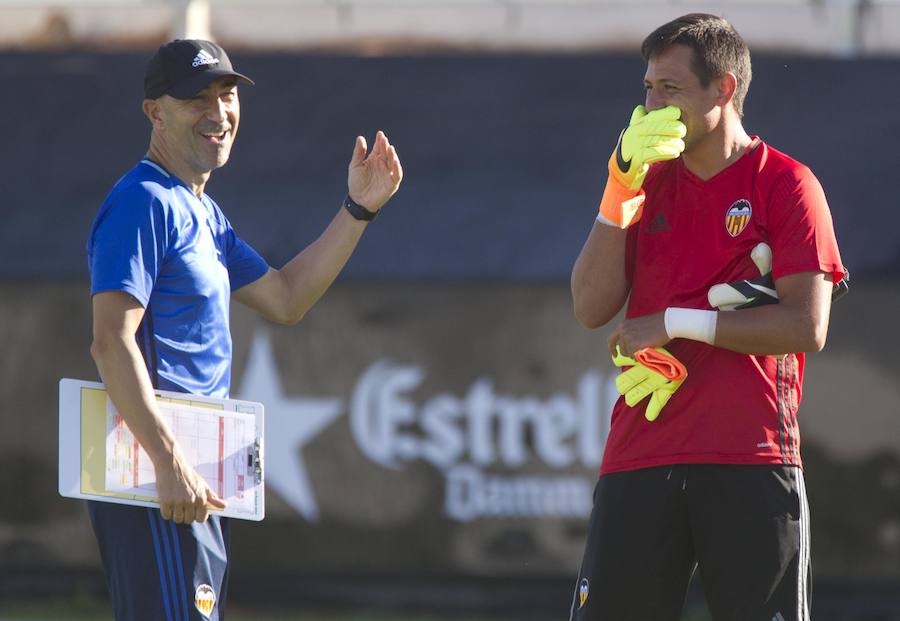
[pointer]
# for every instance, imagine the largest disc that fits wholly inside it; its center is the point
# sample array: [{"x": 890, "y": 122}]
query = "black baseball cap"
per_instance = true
[{"x": 184, "y": 67}]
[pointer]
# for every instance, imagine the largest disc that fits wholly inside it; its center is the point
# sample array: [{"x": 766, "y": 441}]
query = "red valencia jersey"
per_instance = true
[{"x": 732, "y": 408}]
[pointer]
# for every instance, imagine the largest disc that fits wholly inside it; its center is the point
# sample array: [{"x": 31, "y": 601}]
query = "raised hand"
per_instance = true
[
  {"x": 372, "y": 180},
  {"x": 650, "y": 137}
]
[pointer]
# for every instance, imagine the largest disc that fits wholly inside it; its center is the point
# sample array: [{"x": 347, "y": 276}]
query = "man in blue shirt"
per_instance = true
[{"x": 165, "y": 263}]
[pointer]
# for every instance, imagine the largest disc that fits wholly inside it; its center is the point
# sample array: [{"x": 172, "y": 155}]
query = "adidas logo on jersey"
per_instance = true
[
  {"x": 204, "y": 58},
  {"x": 659, "y": 224}
]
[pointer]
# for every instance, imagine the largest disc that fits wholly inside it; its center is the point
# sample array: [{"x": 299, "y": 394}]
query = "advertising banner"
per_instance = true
[
  {"x": 462, "y": 425},
  {"x": 442, "y": 430}
]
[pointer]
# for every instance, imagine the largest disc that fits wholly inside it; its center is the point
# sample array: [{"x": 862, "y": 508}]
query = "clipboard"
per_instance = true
[{"x": 99, "y": 459}]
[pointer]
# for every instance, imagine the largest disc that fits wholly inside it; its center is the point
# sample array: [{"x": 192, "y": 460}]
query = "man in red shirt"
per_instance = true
[{"x": 716, "y": 480}]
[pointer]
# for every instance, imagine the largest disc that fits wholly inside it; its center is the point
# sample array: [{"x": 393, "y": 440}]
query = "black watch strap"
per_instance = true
[{"x": 358, "y": 211}]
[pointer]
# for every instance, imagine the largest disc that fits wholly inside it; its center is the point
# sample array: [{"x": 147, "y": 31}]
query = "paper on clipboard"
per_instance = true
[{"x": 101, "y": 460}]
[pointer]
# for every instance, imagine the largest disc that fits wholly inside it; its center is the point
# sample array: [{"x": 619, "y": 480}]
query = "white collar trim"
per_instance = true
[{"x": 156, "y": 166}]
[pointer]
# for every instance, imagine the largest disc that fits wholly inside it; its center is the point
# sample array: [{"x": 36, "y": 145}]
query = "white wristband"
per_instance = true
[
  {"x": 691, "y": 323},
  {"x": 603, "y": 220}
]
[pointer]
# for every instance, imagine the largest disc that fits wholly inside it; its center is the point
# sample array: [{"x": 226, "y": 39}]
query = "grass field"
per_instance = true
[{"x": 85, "y": 610}]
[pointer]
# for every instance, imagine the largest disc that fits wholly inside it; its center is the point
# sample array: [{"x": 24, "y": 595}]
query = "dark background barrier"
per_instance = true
[
  {"x": 505, "y": 156},
  {"x": 457, "y": 296}
]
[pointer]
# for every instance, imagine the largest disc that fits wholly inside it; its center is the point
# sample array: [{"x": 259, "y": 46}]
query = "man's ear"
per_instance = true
[
  {"x": 153, "y": 111},
  {"x": 726, "y": 87}
]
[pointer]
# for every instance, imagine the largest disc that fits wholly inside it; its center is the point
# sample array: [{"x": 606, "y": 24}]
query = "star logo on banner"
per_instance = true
[{"x": 290, "y": 424}]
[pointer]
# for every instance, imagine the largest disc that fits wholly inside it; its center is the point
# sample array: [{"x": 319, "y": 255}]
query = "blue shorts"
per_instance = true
[{"x": 158, "y": 570}]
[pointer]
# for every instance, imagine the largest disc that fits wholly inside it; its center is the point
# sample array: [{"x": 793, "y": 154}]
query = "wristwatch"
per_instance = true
[{"x": 358, "y": 211}]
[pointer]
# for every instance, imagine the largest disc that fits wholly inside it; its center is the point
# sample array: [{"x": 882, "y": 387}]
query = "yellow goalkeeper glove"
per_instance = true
[
  {"x": 650, "y": 137},
  {"x": 656, "y": 373}
]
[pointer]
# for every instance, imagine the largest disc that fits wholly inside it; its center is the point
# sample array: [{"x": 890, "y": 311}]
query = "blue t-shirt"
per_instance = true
[{"x": 179, "y": 257}]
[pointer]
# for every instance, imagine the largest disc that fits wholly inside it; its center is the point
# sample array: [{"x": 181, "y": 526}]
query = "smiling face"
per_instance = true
[
  {"x": 197, "y": 133},
  {"x": 670, "y": 80}
]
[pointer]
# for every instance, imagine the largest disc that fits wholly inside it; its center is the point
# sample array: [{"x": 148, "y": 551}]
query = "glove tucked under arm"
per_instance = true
[
  {"x": 759, "y": 291},
  {"x": 747, "y": 293}
]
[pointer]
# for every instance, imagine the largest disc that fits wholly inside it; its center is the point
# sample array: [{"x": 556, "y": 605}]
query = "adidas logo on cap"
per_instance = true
[
  {"x": 183, "y": 67},
  {"x": 204, "y": 58}
]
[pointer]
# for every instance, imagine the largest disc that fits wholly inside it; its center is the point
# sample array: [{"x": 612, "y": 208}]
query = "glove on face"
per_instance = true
[{"x": 650, "y": 137}]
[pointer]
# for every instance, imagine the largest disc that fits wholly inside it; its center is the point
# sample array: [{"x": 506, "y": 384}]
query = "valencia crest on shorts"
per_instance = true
[
  {"x": 737, "y": 217},
  {"x": 583, "y": 590},
  {"x": 204, "y": 599}
]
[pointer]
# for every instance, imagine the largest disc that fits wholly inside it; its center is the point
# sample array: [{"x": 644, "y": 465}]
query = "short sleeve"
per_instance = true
[
  {"x": 128, "y": 242},
  {"x": 800, "y": 228},
  {"x": 245, "y": 265}
]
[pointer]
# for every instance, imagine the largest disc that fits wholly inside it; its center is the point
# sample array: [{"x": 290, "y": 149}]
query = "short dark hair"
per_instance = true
[{"x": 718, "y": 49}]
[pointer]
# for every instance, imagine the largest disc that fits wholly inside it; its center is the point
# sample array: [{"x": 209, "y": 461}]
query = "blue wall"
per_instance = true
[{"x": 504, "y": 156}]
